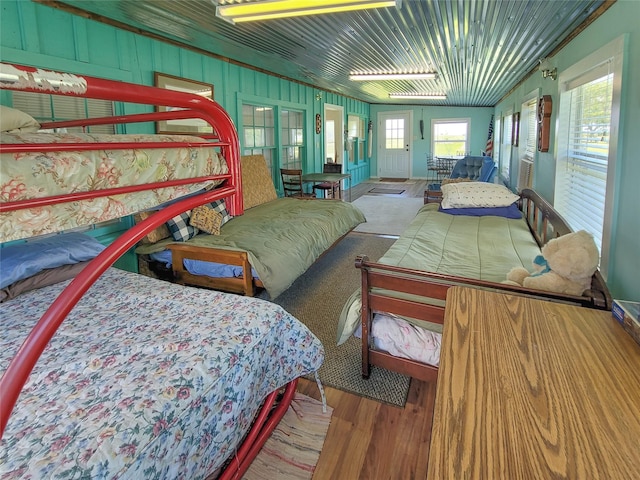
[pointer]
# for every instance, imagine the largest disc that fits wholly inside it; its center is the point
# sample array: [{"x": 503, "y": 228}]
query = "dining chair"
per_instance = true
[
  {"x": 292, "y": 183},
  {"x": 330, "y": 189}
]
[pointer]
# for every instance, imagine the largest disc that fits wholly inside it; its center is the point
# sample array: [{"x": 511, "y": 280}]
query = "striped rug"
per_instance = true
[{"x": 292, "y": 451}]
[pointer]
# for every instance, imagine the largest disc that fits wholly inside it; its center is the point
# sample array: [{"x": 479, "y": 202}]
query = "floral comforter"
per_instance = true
[
  {"x": 145, "y": 379},
  {"x": 44, "y": 173}
]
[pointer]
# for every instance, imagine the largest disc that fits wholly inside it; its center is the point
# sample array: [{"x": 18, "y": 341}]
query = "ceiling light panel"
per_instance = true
[{"x": 273, "y": 9}]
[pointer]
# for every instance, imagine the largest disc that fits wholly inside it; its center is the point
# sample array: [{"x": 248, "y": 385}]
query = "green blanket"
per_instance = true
[
  {"x": 483, "y": 248},
  {"x": 282, "y": 237}
]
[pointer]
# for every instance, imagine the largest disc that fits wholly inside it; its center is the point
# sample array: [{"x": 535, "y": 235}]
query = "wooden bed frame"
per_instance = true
[
  {"x": 30, "y": 79},
  {"x": 381, "y": 284}
]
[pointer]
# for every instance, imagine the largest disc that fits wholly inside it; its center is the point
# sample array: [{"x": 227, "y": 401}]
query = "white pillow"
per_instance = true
[
  {"x": 476, "y": 195},
  {"x": 349, "y": 318},
  {"x": 15, "y": 121}
]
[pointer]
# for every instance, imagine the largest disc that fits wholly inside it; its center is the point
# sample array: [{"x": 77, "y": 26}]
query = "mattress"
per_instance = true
[
  {"x": 45, "y": 173},
  {"x": 145, "y": 379},
  {"x": 282, "y": 237},
  {"x": 199, "y": 267}
]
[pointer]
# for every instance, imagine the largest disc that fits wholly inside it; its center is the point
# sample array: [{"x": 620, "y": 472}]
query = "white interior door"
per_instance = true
[{"x": 394, "y": 144}]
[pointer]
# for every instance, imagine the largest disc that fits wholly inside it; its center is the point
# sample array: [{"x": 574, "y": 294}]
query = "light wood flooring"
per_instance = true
[{"x": 369, "y": 440}]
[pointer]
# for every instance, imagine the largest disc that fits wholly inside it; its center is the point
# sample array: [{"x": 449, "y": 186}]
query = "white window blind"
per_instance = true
[
  {"x": 583, "y": 155},
  {"x": 46, "y": 108},
  {"x": 530, "y": 118}
]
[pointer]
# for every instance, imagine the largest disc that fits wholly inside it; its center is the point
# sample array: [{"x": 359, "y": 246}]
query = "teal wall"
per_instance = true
[
  {"x": 623, "y": 275},
  {"x": 33, "y": 34},
  {"x": 479, "y": 126}
]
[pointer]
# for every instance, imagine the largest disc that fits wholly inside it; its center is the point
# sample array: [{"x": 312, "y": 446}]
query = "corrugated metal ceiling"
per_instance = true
[{"x": 479, "y": 48}]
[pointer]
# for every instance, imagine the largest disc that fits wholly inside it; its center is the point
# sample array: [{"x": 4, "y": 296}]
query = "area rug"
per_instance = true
[
  {"x": 394, "y": 179},
  {"x": 293, "y": 449},
  {"x": 317, "y": 297},
  {"x": 387, "y": 215},
  {"x": 386, "y": 191}
]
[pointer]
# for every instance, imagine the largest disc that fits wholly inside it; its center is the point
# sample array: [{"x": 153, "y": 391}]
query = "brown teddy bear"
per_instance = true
[{"x": 565, "y": 266}]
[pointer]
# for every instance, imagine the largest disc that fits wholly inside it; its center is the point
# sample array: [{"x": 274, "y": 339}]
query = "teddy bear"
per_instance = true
[{"x": 565, "y": 265}]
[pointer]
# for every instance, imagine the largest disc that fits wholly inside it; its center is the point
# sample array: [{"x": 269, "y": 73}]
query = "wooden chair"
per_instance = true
[
  {"x": 330, "y": 189},
  {"x": 292, "y": 183}
]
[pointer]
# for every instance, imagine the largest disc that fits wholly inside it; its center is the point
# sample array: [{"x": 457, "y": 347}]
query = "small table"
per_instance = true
[
  {"x": 534, "y": 389},
  {"x": 328, "y": 177}
]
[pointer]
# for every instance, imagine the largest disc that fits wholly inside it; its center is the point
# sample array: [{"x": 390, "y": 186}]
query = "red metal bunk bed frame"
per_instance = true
[{"x": 30, "y": 79}]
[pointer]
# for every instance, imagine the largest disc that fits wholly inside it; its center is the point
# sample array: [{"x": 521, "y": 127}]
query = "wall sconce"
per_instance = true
[
  {"x": 548, "y": 70},
  {"x": 318, "y": 96}
]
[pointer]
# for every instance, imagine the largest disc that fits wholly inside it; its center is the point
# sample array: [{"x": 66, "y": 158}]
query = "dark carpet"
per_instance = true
[{"x": 317, "y": 298}]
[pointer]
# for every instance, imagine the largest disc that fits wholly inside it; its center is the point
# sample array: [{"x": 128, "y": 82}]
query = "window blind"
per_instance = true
[
  {"x": 583, "y": 153},
  {"x": 532, "y": 129},
  {"x": 46, "y": 108}
]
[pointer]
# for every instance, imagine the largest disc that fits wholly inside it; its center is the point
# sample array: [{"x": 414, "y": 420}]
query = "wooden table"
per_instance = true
[
  {"x": 529, "y": 389},
  {"x": 328, "y": 177}
]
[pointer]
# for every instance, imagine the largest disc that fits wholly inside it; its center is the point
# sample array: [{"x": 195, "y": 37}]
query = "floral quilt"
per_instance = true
[
  {"x": 145, "y": 379},
  {"x": 44, "y": 173}
]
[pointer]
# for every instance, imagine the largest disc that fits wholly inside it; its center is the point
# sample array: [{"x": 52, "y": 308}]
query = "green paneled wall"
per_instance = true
[{"x": 38, "y": 35}]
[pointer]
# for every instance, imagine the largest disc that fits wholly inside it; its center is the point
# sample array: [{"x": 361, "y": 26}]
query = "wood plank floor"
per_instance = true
[{"x": 370, "y": 440}]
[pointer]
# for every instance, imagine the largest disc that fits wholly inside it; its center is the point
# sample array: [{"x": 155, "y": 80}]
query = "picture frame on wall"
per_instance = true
[
  {"x": 184, "y": 126},
  {"x": 515, "y": 129}
]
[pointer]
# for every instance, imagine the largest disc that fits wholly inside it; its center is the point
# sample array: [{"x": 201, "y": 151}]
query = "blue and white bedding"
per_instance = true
[
  {"x": 200, "y": 267},
  {"x": 145, "y": 379}
]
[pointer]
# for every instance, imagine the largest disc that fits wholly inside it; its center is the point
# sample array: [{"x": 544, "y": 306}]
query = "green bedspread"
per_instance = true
[
  {"x": 282, "y": 237},
  {"x": 483, "y": 248}
]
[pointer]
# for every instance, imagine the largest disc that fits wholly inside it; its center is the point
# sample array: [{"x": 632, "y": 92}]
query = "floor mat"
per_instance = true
[
  {"x": 388, "y": 191},
  {"x": 394, "y": 179}
]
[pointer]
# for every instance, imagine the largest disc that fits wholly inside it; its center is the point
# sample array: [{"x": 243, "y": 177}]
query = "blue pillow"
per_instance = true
[
  {"x": 24, "y": 260},
  {"x": 512, "y": 211},
  {"x": 180, "y": 229}
]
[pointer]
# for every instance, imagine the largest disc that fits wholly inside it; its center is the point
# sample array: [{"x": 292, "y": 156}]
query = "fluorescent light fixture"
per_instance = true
[
  {"x": 271, "y": 9},
  {"x": 419, "y": 96},
  {"x": 392, "y": 76}
]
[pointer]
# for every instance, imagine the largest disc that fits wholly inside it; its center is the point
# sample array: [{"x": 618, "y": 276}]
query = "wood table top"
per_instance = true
[{"x": 534, "y": 389}]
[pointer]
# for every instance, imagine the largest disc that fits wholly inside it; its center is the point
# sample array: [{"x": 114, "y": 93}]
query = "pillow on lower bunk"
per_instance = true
[
  {"x": 180, "y": 229},
  {"x": 476, "y": 194},
  {"x": 206, "y": 219},
  {"x": 156, "y": 235},
  {"x": 221, "y": 207},
  {"x": 24, "y": 260},
  {"x": 512, "y": 211},
  {"x": 44, "y": 278}
]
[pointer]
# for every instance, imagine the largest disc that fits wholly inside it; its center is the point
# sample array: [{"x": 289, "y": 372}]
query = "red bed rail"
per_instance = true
[
  {"x": 31, "y": 79},
  {"x": 15, "y": 77}
]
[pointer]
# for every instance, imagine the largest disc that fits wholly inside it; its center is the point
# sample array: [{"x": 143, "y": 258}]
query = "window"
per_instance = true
[
  {"x": 292, "y": 139},
  {"x": 529, "y": 127},
  {"x": 450, "y": 137},
  {"x": 259, "y": 132},
  {"x": 587, "y": 138},
  {"x": 356, "y": 138},
  {"x": 47, "y": 108},
  {"x": 505, "y": 135},
  {"x": 529, "y": 141},
  {"x": 394, "y": 136}
]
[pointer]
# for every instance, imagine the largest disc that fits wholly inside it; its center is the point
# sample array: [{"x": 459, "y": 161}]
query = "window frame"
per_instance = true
[
  {"x": 580, "y": 74},
  {"x": 441, "y": 121}
]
